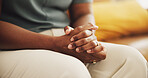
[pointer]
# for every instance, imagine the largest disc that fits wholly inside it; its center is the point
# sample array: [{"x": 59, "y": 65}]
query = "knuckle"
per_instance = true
[
  {"x": 90, "y": 24},
  {"x": 93, "y": 43},
  {"x": 82, "y": 48},
  {"x": 74, "y": 44},
  {"x": 77, "y": 44},
  {"x": 94, "y": 37},
  {"x": 90, "y": 32},
  {"x": 75, "y": 37},
  {"x": 79, "y": 28},
  {"x": 101, "y": 47},
  {"x": 84, "y": 41},
  {"x": 103, "y": 56},
  {"x": 85, "y": 33},
  {"x": 89, "y": 38},
  {"x": 95, "y": 50}
]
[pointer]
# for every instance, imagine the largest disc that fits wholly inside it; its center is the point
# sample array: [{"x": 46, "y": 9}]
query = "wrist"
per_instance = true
[
  {"x": 50, "y": 43},
  {"x": 53, "y": 43},
  {"x": 60, "y": 43}
]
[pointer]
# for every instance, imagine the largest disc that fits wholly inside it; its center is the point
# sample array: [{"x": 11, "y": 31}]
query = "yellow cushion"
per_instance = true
[{"x": 118, "y": 19}]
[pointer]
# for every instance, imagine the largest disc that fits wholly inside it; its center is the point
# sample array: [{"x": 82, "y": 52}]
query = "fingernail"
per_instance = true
[
  {"x": 78, "y": 50},
  {"x": 72, "y": 39},
  {"x": 67, "y": 31},
  {"x": 70, "y": 46},
  {"x": 96, "y": 27},
  {"x": 89, "y": 51}
]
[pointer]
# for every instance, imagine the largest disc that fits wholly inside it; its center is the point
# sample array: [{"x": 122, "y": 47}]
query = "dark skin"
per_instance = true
[
  {"x": 81, "y": 14},
  {"x": 15, "y": 37}
]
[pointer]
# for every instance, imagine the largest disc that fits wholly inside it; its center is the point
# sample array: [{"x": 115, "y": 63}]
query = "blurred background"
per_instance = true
[{"x": 123, "y": 22}]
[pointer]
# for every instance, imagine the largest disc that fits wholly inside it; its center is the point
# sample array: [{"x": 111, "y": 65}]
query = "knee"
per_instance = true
[
  {"x": 128, "y": 52},
  {"x": 123, "y": 52},
  {"x": 74, "y": 68},
  {"x": 57, "y": 64},
  {"x": 128, "y": 57},
  {"x": 121, "y": 59}
]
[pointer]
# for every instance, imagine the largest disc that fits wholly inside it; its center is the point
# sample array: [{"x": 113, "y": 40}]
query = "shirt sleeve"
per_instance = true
[{"x": 81, "y": 1}]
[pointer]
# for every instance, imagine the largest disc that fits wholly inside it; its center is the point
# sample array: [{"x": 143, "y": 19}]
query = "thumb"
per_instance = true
[
  {"x": 94, "y": 27},
  {"x": 68, "y": 29}
]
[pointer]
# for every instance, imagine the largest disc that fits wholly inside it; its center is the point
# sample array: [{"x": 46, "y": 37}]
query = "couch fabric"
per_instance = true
[{"x": 124, "y": 22}]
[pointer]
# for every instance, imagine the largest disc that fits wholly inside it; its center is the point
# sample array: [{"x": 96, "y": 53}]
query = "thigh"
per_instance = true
[
  {"x": 121, "y": 62},
  {"x": 40, "y": 64}
]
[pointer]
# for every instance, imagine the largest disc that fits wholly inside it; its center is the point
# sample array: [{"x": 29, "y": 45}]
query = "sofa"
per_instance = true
[{"x": 139, "y": 36}]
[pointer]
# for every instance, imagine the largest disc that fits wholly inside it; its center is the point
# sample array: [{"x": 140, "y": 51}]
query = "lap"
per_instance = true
[
  {"x": 119, "y": 58},
  {"x": 38, "y": 64},
  {"x": 121, "y": 62}
]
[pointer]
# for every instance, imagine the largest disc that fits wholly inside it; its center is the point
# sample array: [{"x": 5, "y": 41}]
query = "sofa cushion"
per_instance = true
[{"x": 119, "y": 19}]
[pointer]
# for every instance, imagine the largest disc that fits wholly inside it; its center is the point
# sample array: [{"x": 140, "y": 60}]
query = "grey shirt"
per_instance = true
[{"x": 37, "y": 15}]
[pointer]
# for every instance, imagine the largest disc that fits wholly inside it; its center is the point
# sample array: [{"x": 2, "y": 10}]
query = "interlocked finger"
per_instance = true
[
  {"x": 81, "y": 42},
  {"x": 100, "y": 54},
  {"x": 88, "y": 46},
  {"x": 84, "y": 27},
  {"x": 83, "y": 34},
  {"x": 97, "y": 49}
]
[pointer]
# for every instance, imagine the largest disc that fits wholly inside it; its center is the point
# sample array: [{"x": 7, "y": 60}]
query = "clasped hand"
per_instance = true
[{"x": 81, "y": 43}]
